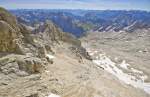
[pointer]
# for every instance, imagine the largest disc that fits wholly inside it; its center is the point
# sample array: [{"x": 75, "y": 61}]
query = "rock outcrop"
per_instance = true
[
  {"x": 21, "y": 65},
  {"x": 10, "y": 36},
  {"x": 18, "y": 49},
  {"x": 30, "y": 47}
]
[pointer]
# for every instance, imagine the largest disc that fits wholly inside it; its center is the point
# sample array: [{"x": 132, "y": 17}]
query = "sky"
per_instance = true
[{"x": 77, "y": 4}]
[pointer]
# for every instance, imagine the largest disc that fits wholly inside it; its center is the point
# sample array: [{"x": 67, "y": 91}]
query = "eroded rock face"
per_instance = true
[
  {"x": 48, "y": 31},
  {"x": 9, "y": 18},
  {"x": 18, "y": 39},
  {"x": 10, "y": 37},
  {"x": 21, "y": 65}
]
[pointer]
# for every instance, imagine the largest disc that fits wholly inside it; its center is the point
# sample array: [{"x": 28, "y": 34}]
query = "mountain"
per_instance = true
[
  {"x": 78, "y": 22},
  {"x": 17, "y": 38},
  {"x": 44, "y": 61},
  {"x": 123, "y": 20},
  {"x": 25, "y": 52},
  {"x": 64, "y": 20}
]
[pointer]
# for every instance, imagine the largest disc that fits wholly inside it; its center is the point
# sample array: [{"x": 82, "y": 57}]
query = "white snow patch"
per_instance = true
[
  {"x": 53, "y": 95},
  {"x": 47, "y": 71},
  {"x": 134, "y": 80},
  {"x": 91, "y": 54},
  {"x": 95, "y": 51},
  {"x": 136, "y": 71},
  {"x": 124, "y": 65},
  {"x": 116, "y": 58},
  {"x": 50, "y": 56},
  {"x": 140, "y": 51}
]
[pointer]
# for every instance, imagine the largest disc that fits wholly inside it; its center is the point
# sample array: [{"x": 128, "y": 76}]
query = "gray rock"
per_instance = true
[
  {"x": 33, "y": 95},
  {"x": 21, "y": 65}
]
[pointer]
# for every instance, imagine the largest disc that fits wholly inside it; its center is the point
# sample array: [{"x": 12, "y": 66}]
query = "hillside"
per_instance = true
[
  {"x": 128, "y": 54},
  {"x": 46, "y": 62}
]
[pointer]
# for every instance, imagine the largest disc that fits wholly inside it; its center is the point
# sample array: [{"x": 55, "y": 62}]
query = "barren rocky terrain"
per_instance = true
[
  {"x": 127, "y": 53},
  {"x": 47, "y": 62}
]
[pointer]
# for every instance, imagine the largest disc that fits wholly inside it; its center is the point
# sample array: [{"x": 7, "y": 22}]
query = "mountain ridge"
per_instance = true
[
  {"x": 80, "y": 21},
  {"x": 50, "y": 62}
]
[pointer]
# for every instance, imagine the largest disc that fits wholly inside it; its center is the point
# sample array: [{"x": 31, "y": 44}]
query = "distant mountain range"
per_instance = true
[
  {"x": 78, "y": 22},
  {"x": 38, "y": 59}
]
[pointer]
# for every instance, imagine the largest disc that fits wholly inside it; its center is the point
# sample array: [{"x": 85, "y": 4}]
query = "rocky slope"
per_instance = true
[
  {"x": 46, "y": 62},
  {"x": 18, "y": 39},
  {"x": 127, "y": 53}
]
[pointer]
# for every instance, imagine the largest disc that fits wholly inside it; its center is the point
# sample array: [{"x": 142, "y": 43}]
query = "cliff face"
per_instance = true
[
  {"x": 18, "y": 39},
  {"x": 52, "y": 33},
  {"x": 10, "y": 35}
]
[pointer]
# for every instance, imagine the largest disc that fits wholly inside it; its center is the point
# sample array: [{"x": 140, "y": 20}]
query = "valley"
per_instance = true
[{"x": 74, "y": 53}]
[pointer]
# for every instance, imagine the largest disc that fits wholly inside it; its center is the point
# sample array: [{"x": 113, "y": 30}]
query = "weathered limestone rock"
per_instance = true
[
  {"x": 10, "y": 37},
  {"x": 20, "y": 64},
  {"x": 49, "y": 32}
]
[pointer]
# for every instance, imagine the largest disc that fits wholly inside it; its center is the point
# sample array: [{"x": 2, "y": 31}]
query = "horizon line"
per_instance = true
[{"x": 76, "y": 9}]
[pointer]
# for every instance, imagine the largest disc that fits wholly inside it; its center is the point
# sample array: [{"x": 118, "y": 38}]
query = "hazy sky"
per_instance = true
[{"x": 77, "y": 4}]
